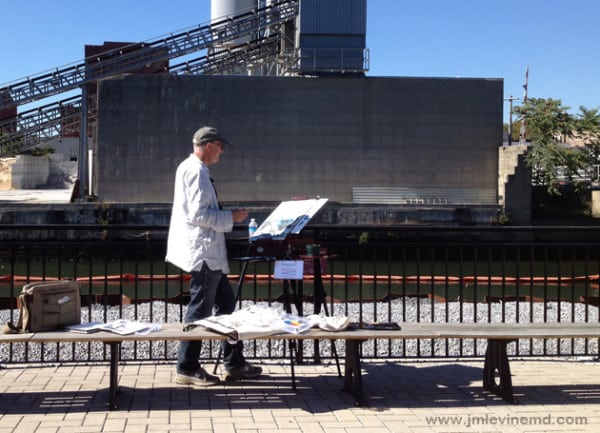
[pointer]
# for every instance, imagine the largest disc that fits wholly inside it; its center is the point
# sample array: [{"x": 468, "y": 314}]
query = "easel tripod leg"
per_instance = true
[{"x": 292, "y": 347}]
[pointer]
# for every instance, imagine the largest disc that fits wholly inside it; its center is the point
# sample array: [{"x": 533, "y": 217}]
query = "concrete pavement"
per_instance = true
[{"x": 403, "y": 396}]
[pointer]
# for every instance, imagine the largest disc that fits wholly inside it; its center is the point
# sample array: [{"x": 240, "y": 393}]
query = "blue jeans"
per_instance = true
[{"x": 208, "y": 290}]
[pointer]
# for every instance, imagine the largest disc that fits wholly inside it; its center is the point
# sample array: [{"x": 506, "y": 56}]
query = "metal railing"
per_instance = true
[
  {"x": 336, "y": 60},
  {"x": 402, "y": 274}
]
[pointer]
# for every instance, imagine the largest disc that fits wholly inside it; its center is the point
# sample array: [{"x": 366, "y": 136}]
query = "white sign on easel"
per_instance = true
[{"x": 289, "y": 269}]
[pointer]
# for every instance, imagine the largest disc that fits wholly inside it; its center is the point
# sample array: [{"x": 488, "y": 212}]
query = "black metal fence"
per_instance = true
[{"x": 401, "y": 274}]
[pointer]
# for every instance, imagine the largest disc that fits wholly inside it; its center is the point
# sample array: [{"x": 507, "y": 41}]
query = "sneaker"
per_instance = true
[
  {"x": 199, "y": 378},
  {"x": 246, "y": 371}
]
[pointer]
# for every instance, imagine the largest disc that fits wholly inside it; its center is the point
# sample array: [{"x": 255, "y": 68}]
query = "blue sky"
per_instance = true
[{"x": 557, "y": 39}]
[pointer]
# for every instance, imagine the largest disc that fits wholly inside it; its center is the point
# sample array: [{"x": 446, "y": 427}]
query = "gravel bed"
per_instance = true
[{"x": 399, "y": 310}]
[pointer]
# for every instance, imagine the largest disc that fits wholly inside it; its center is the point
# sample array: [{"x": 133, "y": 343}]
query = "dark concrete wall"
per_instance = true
[{"x": 299, "y": 136}]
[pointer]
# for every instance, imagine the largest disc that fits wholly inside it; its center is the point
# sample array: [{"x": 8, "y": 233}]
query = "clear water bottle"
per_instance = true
[{"x": 252, "y": 226}]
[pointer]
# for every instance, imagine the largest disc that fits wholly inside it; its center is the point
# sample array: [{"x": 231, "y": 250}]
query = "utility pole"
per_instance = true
[
  {"x": 510, "y": 102},
  {"x": 523, "y": 132}
]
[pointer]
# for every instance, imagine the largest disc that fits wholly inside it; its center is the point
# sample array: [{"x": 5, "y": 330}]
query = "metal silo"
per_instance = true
[{"x": 222, "y": 9}]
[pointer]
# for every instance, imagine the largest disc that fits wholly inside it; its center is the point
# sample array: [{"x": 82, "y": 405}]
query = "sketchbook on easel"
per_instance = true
[{"x": 289, "y": 217}]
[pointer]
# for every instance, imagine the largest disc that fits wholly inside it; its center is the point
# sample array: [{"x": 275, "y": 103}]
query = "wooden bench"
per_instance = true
[{"x": 496, "y": 370}]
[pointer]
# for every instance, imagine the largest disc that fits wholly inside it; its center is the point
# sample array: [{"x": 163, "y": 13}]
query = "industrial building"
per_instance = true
[{"x": 287, "y": 82}]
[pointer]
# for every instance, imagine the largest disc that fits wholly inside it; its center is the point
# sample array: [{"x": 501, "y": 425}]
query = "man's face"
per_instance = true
[{"x": 213, "y": 151}]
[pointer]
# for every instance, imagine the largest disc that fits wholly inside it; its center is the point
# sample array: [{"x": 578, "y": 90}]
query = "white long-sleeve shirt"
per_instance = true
[{"x": 197, "y": 228}]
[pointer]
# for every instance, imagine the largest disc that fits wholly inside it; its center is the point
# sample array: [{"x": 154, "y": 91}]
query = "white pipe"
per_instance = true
[{"x": 90, "y": 172}]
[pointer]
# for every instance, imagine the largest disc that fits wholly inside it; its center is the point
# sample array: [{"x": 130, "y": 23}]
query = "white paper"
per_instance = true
[
  {"x": 329, "y": 323},
  {"x": 289, "y": 269},
  {"x": 85, "y": 328},
  {"x": 124, "y": 327},
  {"x": 119, "y": 326}
]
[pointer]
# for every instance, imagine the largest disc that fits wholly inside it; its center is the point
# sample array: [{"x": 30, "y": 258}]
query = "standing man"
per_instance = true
[{"x": 196, "y": 244}]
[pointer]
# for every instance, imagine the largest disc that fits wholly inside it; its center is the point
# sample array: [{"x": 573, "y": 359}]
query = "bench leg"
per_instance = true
[
  {"x": 292, "y": 348},
  {"x": 496, "y": 360},
  {"x": 114, "y": 374},
  {"x": 353, "y": 373}
]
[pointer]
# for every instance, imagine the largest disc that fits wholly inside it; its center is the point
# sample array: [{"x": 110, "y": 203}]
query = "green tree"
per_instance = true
[
  {"x": 547, "y": 121},
  {"x": 587, "y": 128}
]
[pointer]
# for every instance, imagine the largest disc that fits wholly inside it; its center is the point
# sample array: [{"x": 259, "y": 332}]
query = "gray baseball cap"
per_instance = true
[{"x": 208, "y": 133}]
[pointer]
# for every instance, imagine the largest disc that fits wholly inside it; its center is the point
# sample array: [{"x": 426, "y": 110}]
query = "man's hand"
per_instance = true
[{"x": 239, "y": 215}]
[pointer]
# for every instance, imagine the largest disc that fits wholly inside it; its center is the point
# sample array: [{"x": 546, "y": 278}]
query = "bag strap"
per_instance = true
[{"x": 10, "y": 328}]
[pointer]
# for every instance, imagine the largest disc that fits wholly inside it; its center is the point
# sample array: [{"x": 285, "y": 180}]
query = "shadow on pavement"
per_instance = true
[{"x": 386, "y": 385}]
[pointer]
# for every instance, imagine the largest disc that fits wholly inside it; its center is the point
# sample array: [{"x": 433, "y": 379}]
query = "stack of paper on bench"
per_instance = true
[
  {"x": 253, "y": 322},
  {"x": 245, "y": 324},
  {"x": 119, "y": 326},
  {"x": 256, "y": 321}
]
